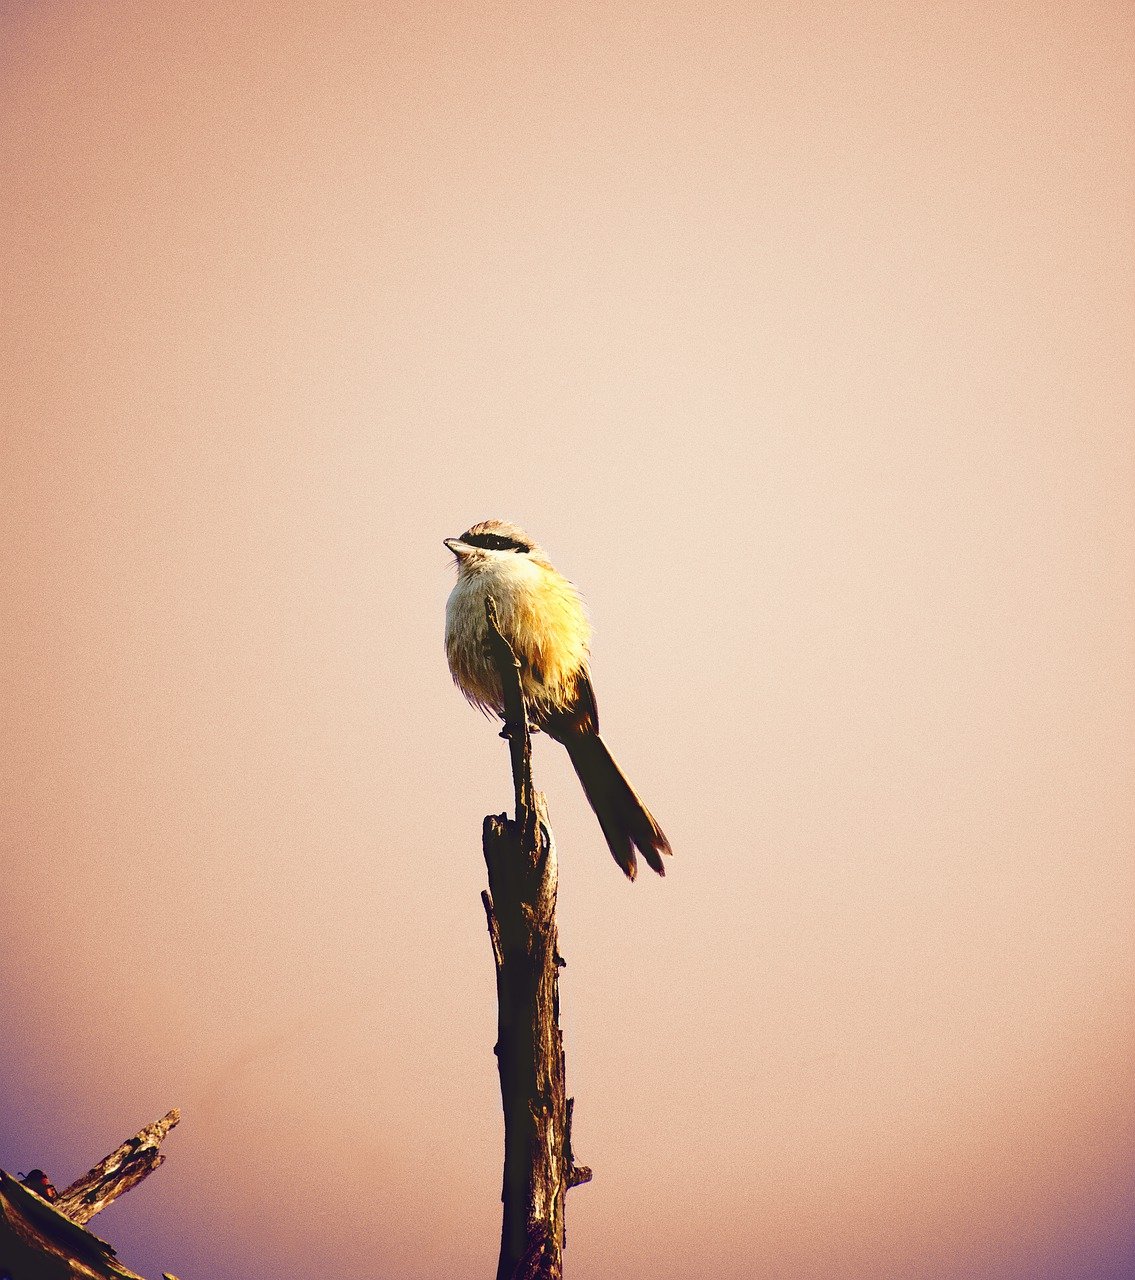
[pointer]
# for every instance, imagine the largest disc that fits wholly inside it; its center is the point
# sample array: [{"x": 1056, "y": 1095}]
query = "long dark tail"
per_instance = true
[{"x": 626, "y": 821}]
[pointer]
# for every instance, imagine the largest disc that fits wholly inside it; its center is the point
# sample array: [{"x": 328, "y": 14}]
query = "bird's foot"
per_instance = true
[{"x": 507, "y": 730}]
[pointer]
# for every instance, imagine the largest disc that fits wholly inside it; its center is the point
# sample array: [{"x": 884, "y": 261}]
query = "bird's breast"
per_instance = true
[{"x": 539, "y": 613}]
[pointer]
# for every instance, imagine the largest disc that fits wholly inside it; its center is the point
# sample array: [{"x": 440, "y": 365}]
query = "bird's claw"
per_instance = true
[{"x": 507, "y": 730}]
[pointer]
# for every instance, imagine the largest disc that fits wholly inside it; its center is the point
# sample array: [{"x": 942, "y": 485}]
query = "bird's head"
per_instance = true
[{"x": 488, "y": 542}]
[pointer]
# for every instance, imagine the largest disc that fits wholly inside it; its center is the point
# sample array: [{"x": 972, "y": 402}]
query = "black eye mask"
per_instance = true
[{"x": 494, "y": 542}]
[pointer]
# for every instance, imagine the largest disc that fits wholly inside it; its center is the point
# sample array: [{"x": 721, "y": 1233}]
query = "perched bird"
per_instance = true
[{"x": 541, "y": 615}]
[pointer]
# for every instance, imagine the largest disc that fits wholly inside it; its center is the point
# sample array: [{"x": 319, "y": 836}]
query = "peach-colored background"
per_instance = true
[{"x": 802, "y": 337}]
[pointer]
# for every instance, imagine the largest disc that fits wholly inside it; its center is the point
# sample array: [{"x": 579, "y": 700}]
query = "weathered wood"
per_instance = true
[
  {"x": 520, "y": 908},
  {"x": 124, "y": 1168},
  {"x": 37, "y": 1242}
]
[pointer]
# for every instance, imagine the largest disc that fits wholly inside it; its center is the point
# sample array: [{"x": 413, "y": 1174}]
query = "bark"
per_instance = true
[
  {"x": 136, "y": 1159},
  {"x": 520, "y": 907}
]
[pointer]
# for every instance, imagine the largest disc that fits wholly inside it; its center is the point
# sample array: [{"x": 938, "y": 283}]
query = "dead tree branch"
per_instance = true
[
  {"x": 520, "y": 907},
  {"x": 515, "y": 723},
  {"x": 43, "y": 1235},
  {"x": 136, "y": 1159}
]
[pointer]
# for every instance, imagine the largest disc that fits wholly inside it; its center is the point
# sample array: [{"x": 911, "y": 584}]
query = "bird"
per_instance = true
[{"x": 542, "y": 616}]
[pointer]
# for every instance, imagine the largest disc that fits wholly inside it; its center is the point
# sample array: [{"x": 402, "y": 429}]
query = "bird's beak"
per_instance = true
[{"x": 458, "y": 547}]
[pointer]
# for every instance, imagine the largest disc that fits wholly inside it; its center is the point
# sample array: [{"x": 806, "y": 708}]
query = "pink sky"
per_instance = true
[{"x": 802, "y": 338}]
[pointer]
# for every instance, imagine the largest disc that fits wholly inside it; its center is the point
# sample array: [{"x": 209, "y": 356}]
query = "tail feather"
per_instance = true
[{"x": 627, "y": 823}]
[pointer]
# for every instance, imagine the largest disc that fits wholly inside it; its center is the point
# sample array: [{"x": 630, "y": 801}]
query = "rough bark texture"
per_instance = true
[
  {"x": 45, "y": 1239},
  {"x": 520, "y": 907},
  {"x": 118, "y": 1172},
  {"x": 37, "y": 1242}
]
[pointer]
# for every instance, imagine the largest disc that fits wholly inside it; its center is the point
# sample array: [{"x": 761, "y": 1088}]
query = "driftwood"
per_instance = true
[
  {"x": 520, "y": 907},
  {"x": 136, "y": 1159}
]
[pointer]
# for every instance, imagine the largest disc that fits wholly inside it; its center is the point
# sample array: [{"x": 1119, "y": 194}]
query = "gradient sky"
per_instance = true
[{"x": 802, "y": 336}]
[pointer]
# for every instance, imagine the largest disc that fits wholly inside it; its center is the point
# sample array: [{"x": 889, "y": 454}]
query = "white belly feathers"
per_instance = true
[{"x": 541, "y": 615}]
